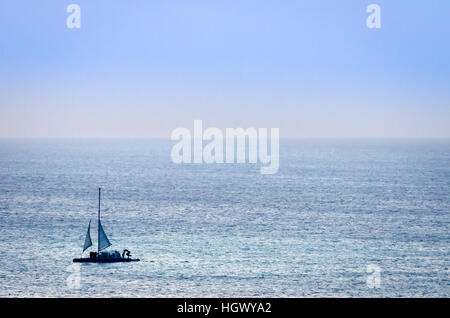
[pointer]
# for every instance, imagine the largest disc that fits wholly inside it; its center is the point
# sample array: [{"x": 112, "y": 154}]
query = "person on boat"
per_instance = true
[{"x": 126, "y": 253}]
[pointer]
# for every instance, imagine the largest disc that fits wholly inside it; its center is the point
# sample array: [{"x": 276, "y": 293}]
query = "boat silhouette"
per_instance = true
[{"x": 102, "y": 243}]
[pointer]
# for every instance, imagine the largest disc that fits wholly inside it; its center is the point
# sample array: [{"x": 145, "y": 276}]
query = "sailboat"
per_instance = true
[{"x": 102, "y": 243}]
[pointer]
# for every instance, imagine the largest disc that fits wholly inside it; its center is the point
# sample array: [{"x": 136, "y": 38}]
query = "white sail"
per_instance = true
[
  {"x": 87, "y": 240},
  {"x": 103, "y": 241}
]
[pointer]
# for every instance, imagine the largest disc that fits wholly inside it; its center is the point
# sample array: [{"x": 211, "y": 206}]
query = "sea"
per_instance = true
[{"x": 341, "y": 218}]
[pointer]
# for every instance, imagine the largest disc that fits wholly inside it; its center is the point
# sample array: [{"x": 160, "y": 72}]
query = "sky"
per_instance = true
[{"x": 140, "y": 69}]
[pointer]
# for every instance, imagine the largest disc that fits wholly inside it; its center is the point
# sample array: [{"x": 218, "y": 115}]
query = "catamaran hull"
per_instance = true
[{"x": 106, "y": 260}]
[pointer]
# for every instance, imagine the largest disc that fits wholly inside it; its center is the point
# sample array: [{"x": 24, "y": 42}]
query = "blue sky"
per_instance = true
[{"x": 143, "y": 68}]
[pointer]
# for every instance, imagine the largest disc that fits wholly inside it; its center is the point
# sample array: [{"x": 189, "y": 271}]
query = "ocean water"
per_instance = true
[{"x": 335, "y": 208}]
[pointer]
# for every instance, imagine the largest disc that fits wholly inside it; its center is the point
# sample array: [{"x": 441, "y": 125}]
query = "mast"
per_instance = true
[{"x": 98, "y": 227}]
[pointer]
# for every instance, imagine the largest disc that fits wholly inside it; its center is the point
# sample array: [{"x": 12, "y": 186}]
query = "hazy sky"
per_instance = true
[{"x": 142, "y": 68}]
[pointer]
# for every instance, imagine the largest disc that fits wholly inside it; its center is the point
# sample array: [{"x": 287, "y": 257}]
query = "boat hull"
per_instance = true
[{"x": 105, "y": 260}]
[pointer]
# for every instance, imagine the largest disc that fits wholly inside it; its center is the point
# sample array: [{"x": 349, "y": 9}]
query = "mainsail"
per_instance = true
[
  {"x": 103, "y": 241},
  {"x": 87, "y": 240}
]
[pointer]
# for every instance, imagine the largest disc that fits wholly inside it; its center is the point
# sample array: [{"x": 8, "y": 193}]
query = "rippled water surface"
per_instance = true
[{"x": 334, "y": 208}]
